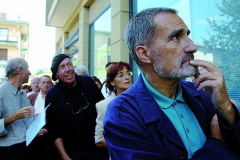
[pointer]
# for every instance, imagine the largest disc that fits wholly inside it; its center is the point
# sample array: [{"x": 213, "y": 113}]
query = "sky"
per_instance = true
[{"x": 41, "y": 37}]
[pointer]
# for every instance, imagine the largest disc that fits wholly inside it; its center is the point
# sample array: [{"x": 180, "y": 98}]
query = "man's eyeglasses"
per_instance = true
[
  {"x": 85, "y": 106},
  {"x": 123, "y": 75}
]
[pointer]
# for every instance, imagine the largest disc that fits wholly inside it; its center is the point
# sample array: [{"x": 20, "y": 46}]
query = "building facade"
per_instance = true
[
  {"x": 13, "y": 40},
  {"x": 92, "y": 32}
]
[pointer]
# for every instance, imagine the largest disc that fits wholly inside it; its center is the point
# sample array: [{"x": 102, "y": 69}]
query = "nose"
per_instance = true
[
  {"x": 190, "y": 47},
  {"x": 126, "y": 76},
  {"x": 67, "y": 68}
]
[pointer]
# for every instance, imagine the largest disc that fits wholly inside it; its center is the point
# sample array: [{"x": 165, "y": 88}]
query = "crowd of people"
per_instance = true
[{"x": 160, "y": 116}]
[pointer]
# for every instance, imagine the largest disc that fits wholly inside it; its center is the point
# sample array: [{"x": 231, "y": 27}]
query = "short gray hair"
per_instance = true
[
  {"x": 140, "y": 30},
  {"x": 83, "y": 69},
  {"x": 13, "y": 64}
]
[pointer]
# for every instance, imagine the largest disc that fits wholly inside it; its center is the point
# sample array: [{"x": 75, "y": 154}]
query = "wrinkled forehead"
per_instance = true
[
  {"x": 45, "y": 79},
  {"x": 169, "y": 21},
  {"x": 34, "y": 80}
]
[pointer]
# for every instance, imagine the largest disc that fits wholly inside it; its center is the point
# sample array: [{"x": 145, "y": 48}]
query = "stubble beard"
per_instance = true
[{"x": 178, "y": 71}]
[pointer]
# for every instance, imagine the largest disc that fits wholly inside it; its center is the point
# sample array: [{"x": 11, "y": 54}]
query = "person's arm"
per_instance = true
[
  {"x": 99, "y": 139},
  {"x": 22, "y": 113},
  {"x": 126, "y": 142},
  {"x": 215, "y": 145},
  {"x": 102, "y": 144},
  {"x": 60, "y": 147}
]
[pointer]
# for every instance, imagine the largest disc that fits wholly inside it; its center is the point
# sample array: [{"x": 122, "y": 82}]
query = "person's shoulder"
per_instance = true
[
  {"x": 55, "y": 88},
  {"x": 29, "y": 93},
  {"x": 83, "y": 77},
  {"x": 85, "y": 80},
  {"x": 5, "y": 87},
  {"x": 33, "y": 95},
  {"x": 105, "y": 101}
]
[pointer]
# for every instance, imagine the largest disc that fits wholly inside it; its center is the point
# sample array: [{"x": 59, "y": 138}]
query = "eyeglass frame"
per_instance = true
[
  {"x": 81, "y": 108},
  {"x": 128, "y": 74}
]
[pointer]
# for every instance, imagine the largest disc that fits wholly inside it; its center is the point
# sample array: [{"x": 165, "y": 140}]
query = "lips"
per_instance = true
[
  {"x": 127, "y": 83},
  {"x": 69, "y": 76},
  {"x": 187, "y": 58}
]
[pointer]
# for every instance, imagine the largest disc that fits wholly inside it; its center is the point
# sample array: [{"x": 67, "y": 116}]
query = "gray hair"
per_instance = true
[
  {"x": 47, "y": 76},
  {"x": 13, "y": 64},
  {"x": 83, "y": 69},
  {"x": 141, "y": 30}
]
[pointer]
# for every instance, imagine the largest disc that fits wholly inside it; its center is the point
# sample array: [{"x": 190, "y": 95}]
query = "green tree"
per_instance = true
[{"x": 224, "y": 41}]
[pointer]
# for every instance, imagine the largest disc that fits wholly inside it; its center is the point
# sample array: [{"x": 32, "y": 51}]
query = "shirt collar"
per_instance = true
[
  {"x": 162, "y": 100},
  {"x": 13, "y": 89}
]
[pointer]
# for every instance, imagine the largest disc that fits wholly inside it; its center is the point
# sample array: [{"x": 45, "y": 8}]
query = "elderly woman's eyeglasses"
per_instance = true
[
  {"x": 123, "y": 75},
  {"x": 85, "y": 106}
]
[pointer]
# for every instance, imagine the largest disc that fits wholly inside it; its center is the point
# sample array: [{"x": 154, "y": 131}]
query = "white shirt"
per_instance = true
[
  {"x": 105, "y": 91},
  {"x": 39, "y": 104}
]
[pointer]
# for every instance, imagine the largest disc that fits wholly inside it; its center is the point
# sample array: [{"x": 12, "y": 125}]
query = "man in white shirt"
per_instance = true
[
  {"x": 40, "y": 146},
  {"x": 37, "y": 99}
]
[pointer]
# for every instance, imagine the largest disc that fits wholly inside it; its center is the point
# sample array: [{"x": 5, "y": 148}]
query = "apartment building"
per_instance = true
[
  {"x": 92, "y": 32},
  {"x": 13, "y": 39}
]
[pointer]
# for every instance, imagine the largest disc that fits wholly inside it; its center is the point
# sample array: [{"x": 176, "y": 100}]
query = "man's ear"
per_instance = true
[
  {"x": 19, "y": 70},
  {"x": 143, "y": 53}
]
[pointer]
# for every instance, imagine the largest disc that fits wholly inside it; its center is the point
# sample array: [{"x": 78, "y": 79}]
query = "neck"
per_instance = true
[
  {"x": 70, "y": 85},
  {"x": 14, "y": 81},
  {"x": 43, "y": 93},
  {"x": 118, "y": 91},
  {"x": 165, "y": 86}
]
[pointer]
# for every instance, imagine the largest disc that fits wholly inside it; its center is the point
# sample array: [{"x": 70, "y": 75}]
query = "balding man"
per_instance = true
[{"x": 34, "y": 85}]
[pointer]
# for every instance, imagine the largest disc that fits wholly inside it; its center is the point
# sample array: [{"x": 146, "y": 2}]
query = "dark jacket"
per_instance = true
[
  {"x": 136, "y": 128},
  {"x": 64, "y": 121}
]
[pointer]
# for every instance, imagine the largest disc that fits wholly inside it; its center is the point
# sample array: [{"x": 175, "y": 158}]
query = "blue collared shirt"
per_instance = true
[
  {"x": 12, "y": 100},
  {"x": 181, "y": 117}
]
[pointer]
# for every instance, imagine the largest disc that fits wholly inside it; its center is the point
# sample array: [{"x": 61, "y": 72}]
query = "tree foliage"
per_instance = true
[{"x": 224, "y": 41}]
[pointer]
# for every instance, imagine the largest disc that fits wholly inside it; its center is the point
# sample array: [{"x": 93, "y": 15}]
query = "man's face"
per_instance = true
[
  {"x": 45, "y": 84},
  {"x": 25, "y": 76},
  {"x": 172, "y": 49},
  {"x": 66, "y": 72},
  {"x": 35, "y": 84}
]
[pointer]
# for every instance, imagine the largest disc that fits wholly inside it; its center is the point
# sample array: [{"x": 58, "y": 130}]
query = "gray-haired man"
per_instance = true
[{"x": 15, "y": 111}]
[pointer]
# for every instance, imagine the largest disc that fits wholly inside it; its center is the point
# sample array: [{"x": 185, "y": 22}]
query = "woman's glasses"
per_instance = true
[
  {"x": 81, "y": 108},
  {"x": 123, "y": 75}
]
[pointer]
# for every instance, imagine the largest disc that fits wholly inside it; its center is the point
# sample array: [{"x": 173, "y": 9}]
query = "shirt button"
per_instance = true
[
  {"x": 181, "y": 115},
  {"x": 187, "y": 130}
]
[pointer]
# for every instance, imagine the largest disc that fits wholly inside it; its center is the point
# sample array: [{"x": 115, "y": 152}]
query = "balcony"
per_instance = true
[{"x": 9, "y": 40}]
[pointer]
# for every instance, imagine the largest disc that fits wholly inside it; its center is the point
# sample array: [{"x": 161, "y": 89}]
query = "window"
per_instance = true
[
  {"x": 100, "y": 44},
  {"x": 71, "y": 45},
  {"x": 3, "y": 34}
]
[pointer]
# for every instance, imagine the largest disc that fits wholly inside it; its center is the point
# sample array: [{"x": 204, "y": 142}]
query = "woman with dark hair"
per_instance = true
[
  {"x": 26, "y": 88},
  {"x": 97, "y": 81},
  {"x": 119, "y": 79}
]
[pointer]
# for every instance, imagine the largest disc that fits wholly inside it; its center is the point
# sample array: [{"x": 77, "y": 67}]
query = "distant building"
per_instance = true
[{"x": 13, "y": 39}]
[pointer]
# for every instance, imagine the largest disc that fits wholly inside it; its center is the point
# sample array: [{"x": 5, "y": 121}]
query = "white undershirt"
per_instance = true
[{"x": 39, "y": 104}]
